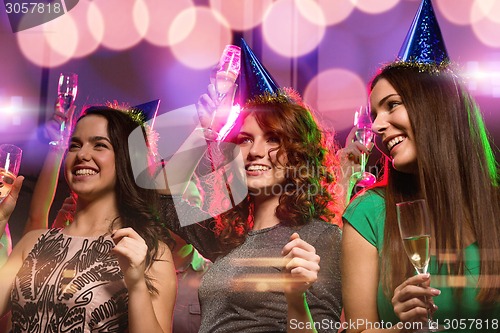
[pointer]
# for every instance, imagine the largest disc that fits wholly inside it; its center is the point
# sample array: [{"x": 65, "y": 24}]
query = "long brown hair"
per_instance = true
[
  {"x": 138, "y": 207},
  {"x": 457, "y": 175},
  {"x": 308, "y": 189}
]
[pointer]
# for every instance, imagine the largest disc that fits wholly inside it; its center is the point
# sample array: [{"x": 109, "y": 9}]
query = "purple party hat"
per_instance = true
[
  {"x": 254, "y": 80},
  {"x": 424, "y": 43}
]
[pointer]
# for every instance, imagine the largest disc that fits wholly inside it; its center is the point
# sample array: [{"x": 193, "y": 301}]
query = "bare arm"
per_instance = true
[
  {"x": 179, "y": 169},
  {"x": 44, "y": 191},
  {"x": 359, "y": 280},
  {"x": 146, "y": 312},
  {"x": 45, "y": 187}
]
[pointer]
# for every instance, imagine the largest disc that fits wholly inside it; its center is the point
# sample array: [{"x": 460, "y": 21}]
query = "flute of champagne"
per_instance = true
[
  {"x": 224, "y": 79},
  {"x": 10, "y": 161},
  {"x": 415, "y": 230},
  {"x": 67, "y": 89}
]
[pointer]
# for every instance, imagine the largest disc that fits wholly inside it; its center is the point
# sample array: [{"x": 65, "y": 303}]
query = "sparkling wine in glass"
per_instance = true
[
  {"x": 364, "y": 135},
  {"x": 224, "y": 80},
  {"x": 228, "y": 70},
  {"x": 415, "y": 230},
  {"x": 10, "y": 161},
  {"x": 67, "y": 89}
]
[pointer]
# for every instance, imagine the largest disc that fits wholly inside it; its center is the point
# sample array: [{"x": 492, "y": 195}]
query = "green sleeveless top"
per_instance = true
[{"x": 462, "y": 313}]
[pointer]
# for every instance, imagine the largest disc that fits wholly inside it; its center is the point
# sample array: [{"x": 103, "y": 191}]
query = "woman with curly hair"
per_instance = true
[
  {"x": 266, "y": 250},
  {"x": 109, "y": 270}
]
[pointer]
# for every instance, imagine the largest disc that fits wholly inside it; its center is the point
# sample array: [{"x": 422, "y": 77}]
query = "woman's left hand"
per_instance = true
[
  {"x": 302, "y": 265},
  {"x": 9, "y": 202},
  {"x": 131, "y": 250}
]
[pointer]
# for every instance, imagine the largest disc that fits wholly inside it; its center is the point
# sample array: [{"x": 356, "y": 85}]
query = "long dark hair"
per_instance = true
[
  {"x": 137, "y": 206},
  {"x": 309, "y": 186},
  {"x": 457, "y": 175}
]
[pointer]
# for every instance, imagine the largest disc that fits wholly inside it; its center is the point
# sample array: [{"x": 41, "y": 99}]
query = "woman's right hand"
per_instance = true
[
  {"x": 9, "y": 202},
  {"x": 413, "y": 298},
  {"x": 209, "y": 103},
  {"x": 53, "y": 125},
  {"x": 65, "y": 214}
]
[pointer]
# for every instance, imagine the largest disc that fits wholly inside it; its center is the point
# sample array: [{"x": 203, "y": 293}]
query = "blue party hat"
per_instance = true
[
  {"x": 424, "y": 43},
  {"x": 149, "y": 110},
  {"x": 254, "y": 80}
]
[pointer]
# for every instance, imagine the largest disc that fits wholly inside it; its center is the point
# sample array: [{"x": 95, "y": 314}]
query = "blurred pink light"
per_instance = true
[
  {"x": 120, "y": 31},
  {"x": 198, "y": 36},
  {"x": 490, "y": 8},
  {"x": 62, "y": 35},
  {"x": 336, "y": 94},
  {"x": 333, "y": 11},
  {"x": 458, "y": 13},
  {"x": 485, "y": 28},
  {"x": 292, "y": 32},
  {"x": 241, "y": 14},
  {"x": 87, "y": 19},
  {"x": 140, "y": 16},
  {"x": 483, "y": 78},
  {"x": 161, "y": 15},
  {"x": 375, "y": 6},
  {"x": 36, "y": 48}
]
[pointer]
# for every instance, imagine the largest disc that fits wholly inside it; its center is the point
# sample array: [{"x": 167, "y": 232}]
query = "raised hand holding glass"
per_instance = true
[
  {"x": 224, "y": 80},
  {"x": 67, "y": 89},
  {"x": 415, "y": 230},
  {"x": 10, "y": 161}
]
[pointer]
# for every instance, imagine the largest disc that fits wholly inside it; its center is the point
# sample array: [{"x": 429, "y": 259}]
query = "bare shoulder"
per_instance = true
[
  {"x": 28, "y": 241},
  {"x": 164, "y": 252},
  {"x": 162, "y": 269}
]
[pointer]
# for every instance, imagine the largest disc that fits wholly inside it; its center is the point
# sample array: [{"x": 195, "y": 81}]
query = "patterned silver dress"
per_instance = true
[{"x": 70, "y": 284}]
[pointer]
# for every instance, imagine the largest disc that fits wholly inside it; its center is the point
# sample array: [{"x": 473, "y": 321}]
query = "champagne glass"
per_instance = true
[
  {"x": 364, "y": 135},
  {"x": 224, "y": 80},
  {"x": 415, "y": 230},
  {"x": 66, "y": 93},
  {"x": 10, "y": 161}
]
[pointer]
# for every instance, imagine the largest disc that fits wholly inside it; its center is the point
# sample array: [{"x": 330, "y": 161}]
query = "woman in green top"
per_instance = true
[{"x": 437, "y": 149}]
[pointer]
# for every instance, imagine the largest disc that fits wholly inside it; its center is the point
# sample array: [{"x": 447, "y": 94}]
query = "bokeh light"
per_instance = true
[
  {"x": 375, "y": 6},
  {"x": 161, "y": 15},
  {"x": 333, "y": 11},
  {"x": 292, "y": 32},
  {"x": 200, "y": 36},
  {"x": 336, "y": 94},
  {"x": 86, "y": 15},
  {"x": 460, "y": 15},
  {"x": 485, "y": 28},
  {"x": 490, "y": 8},
  {"x": 62, "y": 35},
  {"x": 140, "y": 16},
  {"x": 120, "y": 31},
  {"x": 35, "y": 47},
  {"x": 241, "y": 14}
]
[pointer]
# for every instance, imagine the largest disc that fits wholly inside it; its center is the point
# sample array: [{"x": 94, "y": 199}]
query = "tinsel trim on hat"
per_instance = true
[
  {"x": 285, "y": 95},
  {"x": 140, "y": 119},
  {"x": 432, "y": 68}
]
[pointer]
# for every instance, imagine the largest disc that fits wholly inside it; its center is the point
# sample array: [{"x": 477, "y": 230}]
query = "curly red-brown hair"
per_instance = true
[{"x": 310, "y": 161}]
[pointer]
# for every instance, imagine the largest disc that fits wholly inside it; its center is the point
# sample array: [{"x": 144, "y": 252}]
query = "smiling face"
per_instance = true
[
  {"x": 264, "y": 170},
  {"x": 90, "y": 162},
  {"x": 392, "y": 124}
]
